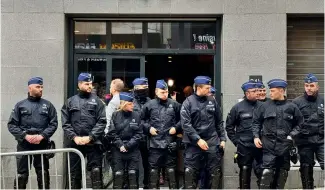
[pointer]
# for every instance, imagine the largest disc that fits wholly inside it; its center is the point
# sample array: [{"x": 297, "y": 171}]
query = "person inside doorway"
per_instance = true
[
  {"x": 188, "y": 91},
  {"x": 116, "y": 87}
]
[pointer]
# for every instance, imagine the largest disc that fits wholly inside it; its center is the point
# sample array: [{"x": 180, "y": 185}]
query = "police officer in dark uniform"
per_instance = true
[
  {"x": 239, "y": 131},
  {"x": 311, "y": 142},
  {"x": 202, "y": 124},
  {"x": 162, "y": 114},
  {"x": 262, "y": 91},
  {"x": 84, "y": 122},
  {"x": 204, "y": 181},
  {"x": 141, "y": 93},
  {"x": 32, "y": 122},
  {"x": 280, "y": 122},
  {"x": 126, "y": 132}
]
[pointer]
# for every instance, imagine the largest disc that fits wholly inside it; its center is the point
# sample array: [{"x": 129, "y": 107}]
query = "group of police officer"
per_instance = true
[{"x": 263, "y": 130}]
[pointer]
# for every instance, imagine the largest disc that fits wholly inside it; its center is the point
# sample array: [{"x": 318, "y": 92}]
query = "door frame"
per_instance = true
[{"x": 109, "y": 64}]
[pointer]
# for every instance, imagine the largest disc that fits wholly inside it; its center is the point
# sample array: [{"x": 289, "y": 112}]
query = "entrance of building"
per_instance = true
[{"x": 179, "y": 70}]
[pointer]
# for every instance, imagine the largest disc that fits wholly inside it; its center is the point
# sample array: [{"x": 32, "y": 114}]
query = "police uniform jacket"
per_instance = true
[
  {"x": 277, "y": 120},
  {"x": 201, "y": 118},
  {"x": 312, "y": 108},
  {"x": 125, "y": 129},
  {"x": 162, "y": 115},
  {"x": 84, "y": 115},
  {"x": 138, "y": 105},
  {"x": 239, "y": 123},
  {"x": 33, "y": 116}
]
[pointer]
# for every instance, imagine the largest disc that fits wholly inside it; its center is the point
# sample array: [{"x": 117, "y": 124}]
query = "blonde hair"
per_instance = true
[{"x": 123, "y": 103}]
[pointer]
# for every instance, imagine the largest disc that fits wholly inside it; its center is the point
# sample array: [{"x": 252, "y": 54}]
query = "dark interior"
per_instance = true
[{"x": 181, "y": 68}]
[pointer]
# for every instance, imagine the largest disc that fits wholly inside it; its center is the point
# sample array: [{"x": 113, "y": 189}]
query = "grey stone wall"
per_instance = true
[{"x": 34, "y": 44}]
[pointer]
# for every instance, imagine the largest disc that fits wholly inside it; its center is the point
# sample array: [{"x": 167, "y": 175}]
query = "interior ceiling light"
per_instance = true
[
  {"x": 169, "y": 57},
  {"x": 170, "y": 82},
  {"x": 169, "y": 61},
  {"x": 76, "y": 31}
]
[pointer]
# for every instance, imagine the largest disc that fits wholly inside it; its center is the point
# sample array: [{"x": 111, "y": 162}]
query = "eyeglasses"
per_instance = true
[{"x": 262, "y": 90}]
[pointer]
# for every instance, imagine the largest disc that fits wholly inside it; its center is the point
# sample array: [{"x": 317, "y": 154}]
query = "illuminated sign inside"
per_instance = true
[{"x": 123, "y": 46}]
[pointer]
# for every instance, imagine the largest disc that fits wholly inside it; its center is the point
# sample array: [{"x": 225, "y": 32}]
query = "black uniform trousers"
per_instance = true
[
  {"x": 198, "y": 160},
  {"x": 145, "y": 163},
  {"x": 94, "y": 156},
  {"x": 22, "y": 161},
  {"x": 247, "y": 155},
  {"x": 125, "y": 160},
  {"x": 275, "y": 169},
  {"x": 160, "y": 158},
  {"x": 307, "y": 152},
  {"x": 273, "y": 161}
]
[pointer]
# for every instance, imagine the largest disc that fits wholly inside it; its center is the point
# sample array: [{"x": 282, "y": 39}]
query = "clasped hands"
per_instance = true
[
  {"x": 34, "y": 139},
  {"x": 82, "y": 140},
  {"x": 153, "y": 131}
]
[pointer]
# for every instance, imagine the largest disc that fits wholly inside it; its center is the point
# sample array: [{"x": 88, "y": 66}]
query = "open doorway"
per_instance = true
[{"x": 180, "y": 68}]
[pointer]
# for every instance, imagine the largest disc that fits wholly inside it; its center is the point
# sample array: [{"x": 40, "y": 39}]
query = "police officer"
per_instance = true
[
  {"x": 280, "y": 121},
  {"x": 141, "y": 93},
  {"x": 261, "y": 91},
  {"x": 203, "y": 179},
  {"x": 163, "y": 124},
  {"x": 203, "y": 128},
  {"x": 239, "y": 131},
  {"x": 311, "y": 142},
  {"x": 126, "y": 132},
  {"x": 83, "y": 123},
  {"x": 32, "y": 122}
]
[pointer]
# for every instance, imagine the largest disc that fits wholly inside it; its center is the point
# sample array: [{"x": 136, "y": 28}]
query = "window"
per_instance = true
[
  {"x": 90, "y": 35},
  {"x": 180, "y": 35},
  {"x": 200, "y": 35},
  {"x": 163, "y": 35},
  {"x": 97, "y": 67},
  {"x": 126, "y": 35}
]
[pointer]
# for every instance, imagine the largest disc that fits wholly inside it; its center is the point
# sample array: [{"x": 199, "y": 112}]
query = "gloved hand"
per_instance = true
[
  {"x": 50, "y": 145},
  {"x": 221, "y": 151},
  {"x": 172, "y": 147},
  {"x": 107, "y": 143},
  {"x": 294, "y": 155},
  {"x": 180, "y": 144}
]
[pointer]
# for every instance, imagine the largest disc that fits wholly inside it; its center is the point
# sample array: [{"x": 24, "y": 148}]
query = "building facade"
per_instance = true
[{"x": 243, "y": 39}]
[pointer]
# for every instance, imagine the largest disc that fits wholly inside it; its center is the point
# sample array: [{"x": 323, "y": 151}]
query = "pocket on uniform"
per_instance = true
[
  {"x": 25, "y": 113},
  {"x": 91, "y": 109},
  {"x": 287, "y": 144},
  {"x": 269, "y": 115}
]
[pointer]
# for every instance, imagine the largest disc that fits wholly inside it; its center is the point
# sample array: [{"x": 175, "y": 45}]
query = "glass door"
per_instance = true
[
  {"x": 95, "y": 65},
  {"x": 104, "y": 68},
  {"x": 126, "y": 68}
]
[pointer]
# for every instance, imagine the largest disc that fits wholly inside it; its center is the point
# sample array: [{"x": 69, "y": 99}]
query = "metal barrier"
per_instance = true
[{"x": 42, "y": 152}]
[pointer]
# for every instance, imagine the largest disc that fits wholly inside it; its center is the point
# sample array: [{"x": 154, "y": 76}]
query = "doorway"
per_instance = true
[{"x": 182, "y": 69}]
